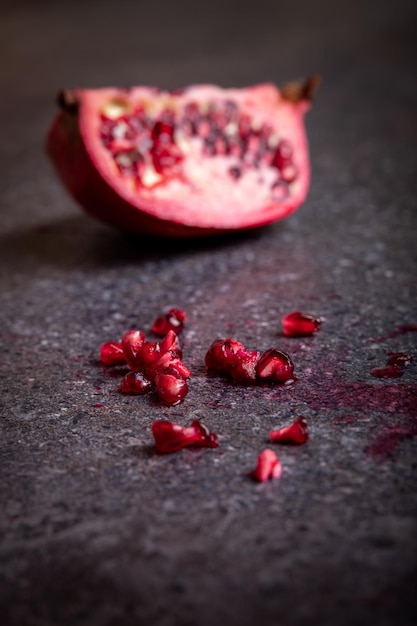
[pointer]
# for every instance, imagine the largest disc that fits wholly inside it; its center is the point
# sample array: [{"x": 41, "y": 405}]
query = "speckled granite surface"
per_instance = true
[{"x": 97, "y": 529}]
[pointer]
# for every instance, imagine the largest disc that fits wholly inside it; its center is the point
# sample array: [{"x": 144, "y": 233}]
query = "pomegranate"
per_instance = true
[{"x": 200, "y": 160}]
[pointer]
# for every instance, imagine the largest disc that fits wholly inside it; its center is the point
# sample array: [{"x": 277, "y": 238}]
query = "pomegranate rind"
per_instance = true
[{"x": 175, "y": 208}]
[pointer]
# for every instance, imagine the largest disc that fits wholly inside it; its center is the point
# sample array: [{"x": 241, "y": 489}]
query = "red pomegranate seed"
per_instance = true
[
  {"x": 132, "y": 342},
  {"x": 170, "y": 437},
  {"x": 400, "y": 359},
  {"x": 299, "y": 324},
  {"x": 169, "y": 359},
  {"x": 165, "y": 157},
  {"x": 170, "y": 386},
  {"x": 243, "y": 369},
  {"x": 297, "y": 432},
  {"x": 149, "y": 353},
  {"x": 283, "y": 155},
  {"x": 171, "y": 342},
  {"x": 135, "y": 382},
  {"x": 390, "y": 371},
  {"x": 173, "y": 319},
  {"x": 268, "y": 466},
  {"x": 221, "y": 356},
  {"x": 275, "y": 366},
  {"x": 163, "y": 132},
  {"x": 112, "y": 353}
]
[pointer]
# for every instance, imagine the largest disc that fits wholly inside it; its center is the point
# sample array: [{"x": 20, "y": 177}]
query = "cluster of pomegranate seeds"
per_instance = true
[
  {"x": 297, "y": 324},
  {"x": 148, "y": 144},
  {"x": 396, "y": 364},
  {"x": 230, "y": 357},
  {"x": 296, "y": 433},
  {"x": 172, "y": 319},
  {"x": 268, "y": 466},
  {"x": 154, "y": 364},
  {"x": 170, "y": 437}
]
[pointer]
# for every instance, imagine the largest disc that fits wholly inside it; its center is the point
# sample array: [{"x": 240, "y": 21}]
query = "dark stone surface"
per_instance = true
[{"x": 98, "y": 530}]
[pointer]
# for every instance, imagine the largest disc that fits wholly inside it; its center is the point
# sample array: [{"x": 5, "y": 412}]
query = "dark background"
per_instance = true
[{"x": 96, "y": 528}]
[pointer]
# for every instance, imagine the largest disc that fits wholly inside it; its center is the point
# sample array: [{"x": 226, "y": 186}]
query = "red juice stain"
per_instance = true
[
  {"x": 396, "y": 402},
  {"x": 385, "y": 445},
  {"x": 97, "y": 405},
  {"x": 401, "y": 329},
  {"x": 216, "y": 405}
]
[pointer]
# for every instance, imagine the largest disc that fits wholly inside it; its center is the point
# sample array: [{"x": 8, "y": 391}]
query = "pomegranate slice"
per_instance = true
[{"x": 195, "y": 161}]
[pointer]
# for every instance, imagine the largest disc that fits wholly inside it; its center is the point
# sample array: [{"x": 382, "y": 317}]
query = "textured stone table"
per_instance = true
[{"x": 96, "y": 528}]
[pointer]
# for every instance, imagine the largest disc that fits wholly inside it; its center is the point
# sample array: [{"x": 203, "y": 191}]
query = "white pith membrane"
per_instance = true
[{"x": 205, "y": 192}]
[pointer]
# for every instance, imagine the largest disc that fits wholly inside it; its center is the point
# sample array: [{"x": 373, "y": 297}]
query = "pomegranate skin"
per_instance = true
[{"x": 221, "y": 204}]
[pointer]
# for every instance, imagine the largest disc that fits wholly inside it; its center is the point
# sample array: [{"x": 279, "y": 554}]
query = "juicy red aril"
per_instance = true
[
  {"x": 166, "y": 158},
  {"x": 171, "y": 342},
  {"x": 297, "y": 432},
  {"x": 135, "y": 382},
  {"x": 168, "y": 360},
  {"x": 243, "y": 368},
  {"x": 112, "y": 353},
  {"x": 275, "y": 366},
  {"x": 163, "y": 132},
  {"x": 390, "y": 371},
  {"x": 299, "y": 324},
  {"x": 221, "y": 356},
  {"x": 400, "y": 359},
  {"x": 170, "y": 437},
  {"x": 132, "y": 342},
  {"x": 268, "y": 466},
  {"x": 173, "y": 319},
  {"x": 170, "y": 386},
  {"x": 283, "y": 155},
  {"x": 149, "y": 353}
]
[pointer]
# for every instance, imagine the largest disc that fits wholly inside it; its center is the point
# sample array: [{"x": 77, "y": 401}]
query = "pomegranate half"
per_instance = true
[{"x": 196, "y": 161}]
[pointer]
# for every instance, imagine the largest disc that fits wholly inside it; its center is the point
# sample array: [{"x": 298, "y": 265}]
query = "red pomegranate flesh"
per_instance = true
[{"x": 201, "y": 160}]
